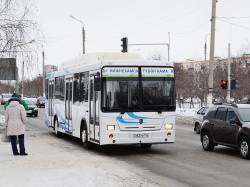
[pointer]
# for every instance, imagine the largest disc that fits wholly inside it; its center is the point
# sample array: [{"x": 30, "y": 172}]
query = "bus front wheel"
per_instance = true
[{"x": 84, "y": 138}]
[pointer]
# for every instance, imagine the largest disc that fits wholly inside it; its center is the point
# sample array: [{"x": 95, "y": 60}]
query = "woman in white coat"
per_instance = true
[{"x": 15, "y": 120}]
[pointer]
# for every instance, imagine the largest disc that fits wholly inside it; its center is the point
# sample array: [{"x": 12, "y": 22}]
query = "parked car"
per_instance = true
[
  {"x": 197, "y": 118},
  {"x": 40, "y": 102},
  {"x": 33, "y": 110},
  {"x": 5, "y": 97},
  {"x": 228, "y": 125}
]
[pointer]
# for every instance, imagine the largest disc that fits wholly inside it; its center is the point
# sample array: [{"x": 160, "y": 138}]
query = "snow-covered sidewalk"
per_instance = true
[{"x": 55, "y": 162}]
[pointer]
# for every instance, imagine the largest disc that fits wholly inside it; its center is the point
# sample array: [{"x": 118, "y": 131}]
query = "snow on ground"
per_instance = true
[{"x": 53, "y": 162}]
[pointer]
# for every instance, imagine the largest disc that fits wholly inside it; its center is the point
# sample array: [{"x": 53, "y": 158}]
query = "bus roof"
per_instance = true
[{"x": 98, "y": 57}]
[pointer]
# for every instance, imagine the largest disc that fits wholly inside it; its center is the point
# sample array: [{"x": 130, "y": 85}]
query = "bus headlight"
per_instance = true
[
  {"x": 111, "y": 127},
  {"x": 168, "y": 126}
]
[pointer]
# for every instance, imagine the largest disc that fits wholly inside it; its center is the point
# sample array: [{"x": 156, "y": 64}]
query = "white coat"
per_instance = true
[{"x": 15, "y": 118}]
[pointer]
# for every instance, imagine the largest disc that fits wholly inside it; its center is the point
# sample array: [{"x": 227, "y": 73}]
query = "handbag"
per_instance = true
[{"x": 4, "y": 137}]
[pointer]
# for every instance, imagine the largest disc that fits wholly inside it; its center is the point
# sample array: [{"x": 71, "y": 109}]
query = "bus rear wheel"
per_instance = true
[
  {"x": 56, "y": 124},
  {"x": 84, "y": 138}
]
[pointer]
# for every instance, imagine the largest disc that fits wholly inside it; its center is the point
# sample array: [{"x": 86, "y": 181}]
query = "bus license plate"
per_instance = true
[{"x": 144, "y": 135}]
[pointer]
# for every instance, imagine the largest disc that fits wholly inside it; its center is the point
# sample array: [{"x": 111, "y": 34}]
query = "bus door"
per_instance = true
[
  {"x": 68, "y": 105},
  {"x": 93, "y": 110},
  {"x": 50, "y": 102}
]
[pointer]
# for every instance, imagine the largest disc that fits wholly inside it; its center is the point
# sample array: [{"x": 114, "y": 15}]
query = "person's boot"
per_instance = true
[{"x": 23, "y": 154}]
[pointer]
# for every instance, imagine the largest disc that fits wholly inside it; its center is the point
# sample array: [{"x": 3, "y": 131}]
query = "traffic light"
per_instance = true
[
  {"x": 223, "y": 84},
  {"x": 234, "y": 84},
  {"x": 124, "y": 45}
]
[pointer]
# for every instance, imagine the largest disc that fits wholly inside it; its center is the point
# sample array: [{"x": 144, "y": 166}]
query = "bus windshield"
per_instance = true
[{"x": 137, "y": 91}]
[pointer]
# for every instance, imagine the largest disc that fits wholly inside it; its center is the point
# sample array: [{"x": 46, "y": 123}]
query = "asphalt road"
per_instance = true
[{"x": 184, "y": 161}]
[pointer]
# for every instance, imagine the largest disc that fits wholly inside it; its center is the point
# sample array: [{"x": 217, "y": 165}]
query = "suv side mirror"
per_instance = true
[{"x": 235, "y": 121}]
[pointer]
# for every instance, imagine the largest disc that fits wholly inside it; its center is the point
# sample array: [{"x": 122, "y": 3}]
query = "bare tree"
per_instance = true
[
  {"x": 180, "y": 75},
  {"x": 240, "y": 71},
  {"x": 201, "y": 84},
  {"x": 245, "y": 49},
  {"x": 33, "y": 87},
  {"x": 156, "y": 55},
  {"x": 20, "y": 36}
]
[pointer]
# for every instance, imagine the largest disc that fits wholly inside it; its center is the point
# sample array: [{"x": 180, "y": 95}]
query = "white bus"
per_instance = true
[{"x": 112, "y": 98}]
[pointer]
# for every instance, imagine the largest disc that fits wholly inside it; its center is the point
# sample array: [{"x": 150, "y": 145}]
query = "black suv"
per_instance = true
[{"x": 228, "y": 125}]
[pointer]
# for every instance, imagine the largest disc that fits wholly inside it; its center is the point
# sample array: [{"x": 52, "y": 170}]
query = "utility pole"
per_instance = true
[
  {"x": 229, "y": 75},
  {"x": 205, "y": 53},
  {"x": 22, "y": 77},
  {"x": 205, "y": 48},
  {"x": 211, "y": 61},
  {"x": 83, "y": 39},
  {"x": 43, "y": 75},
  {"x": 168, "y": 46}
]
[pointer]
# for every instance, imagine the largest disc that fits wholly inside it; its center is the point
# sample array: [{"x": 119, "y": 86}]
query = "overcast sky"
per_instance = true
[{"x": 142, "y": 21}]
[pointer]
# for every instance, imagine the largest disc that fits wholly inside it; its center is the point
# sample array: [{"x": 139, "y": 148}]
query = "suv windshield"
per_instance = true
[{"x": 244, "y": 114}]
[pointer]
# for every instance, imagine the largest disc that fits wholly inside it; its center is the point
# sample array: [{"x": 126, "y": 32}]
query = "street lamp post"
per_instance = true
[
  {"x": 83, "y": 33},
  {"x": 168, "y": 46},
  {"x": 43, "y": 75}
]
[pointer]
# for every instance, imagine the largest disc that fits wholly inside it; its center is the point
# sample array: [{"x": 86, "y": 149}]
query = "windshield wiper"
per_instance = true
[
  {"x": 171, "y": 107},
  {"x": 157, "y": 109},
  {"x": 124, "y": 109}
]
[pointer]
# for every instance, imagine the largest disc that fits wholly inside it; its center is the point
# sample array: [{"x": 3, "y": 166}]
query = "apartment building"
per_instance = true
[
  {"x": 50, "y": 68},
  {"x": 218, "y": 62}
]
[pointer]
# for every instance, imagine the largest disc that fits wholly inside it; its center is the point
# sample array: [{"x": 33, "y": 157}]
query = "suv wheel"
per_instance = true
[
  {"x": 207, "y": 143},
  {"x": 198, "y": 128},
  {"x": 244, "y": 148}
]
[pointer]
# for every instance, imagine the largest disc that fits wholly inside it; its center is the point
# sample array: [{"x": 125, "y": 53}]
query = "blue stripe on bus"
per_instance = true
[
  {"x": 49, "y": 75},
  {"x": 132, "y": 115},
  {"x": 119, "y": 118},
  {"x": 66, "y": 71},
  {"x": 61, "y": 118},
  {"x": 47, "y": 122}
]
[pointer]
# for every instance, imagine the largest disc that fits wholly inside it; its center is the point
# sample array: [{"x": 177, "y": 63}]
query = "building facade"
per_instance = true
[
  {"x": 50, "y": 68},
  {"x": 218, "y": 62}
]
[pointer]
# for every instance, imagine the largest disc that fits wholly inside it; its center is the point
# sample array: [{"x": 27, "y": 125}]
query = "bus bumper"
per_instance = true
[{"x": 142, "y": 137}]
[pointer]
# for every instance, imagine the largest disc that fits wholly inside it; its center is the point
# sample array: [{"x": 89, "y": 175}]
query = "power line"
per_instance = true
[
  {"x": 144, "y": 16},
  {"x": 234, "y": 17},
  {"x": 181, "y": 12},
  {"x": 192, "y": 29},
  {"x": 234, "y": 24}
]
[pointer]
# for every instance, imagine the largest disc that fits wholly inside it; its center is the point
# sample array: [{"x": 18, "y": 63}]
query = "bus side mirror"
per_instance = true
[{"x": 97, "y": 82}]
